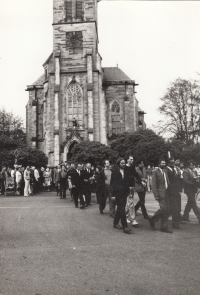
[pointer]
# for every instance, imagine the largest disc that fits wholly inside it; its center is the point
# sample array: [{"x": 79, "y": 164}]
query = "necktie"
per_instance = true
[{"x": 165, "y": 178}]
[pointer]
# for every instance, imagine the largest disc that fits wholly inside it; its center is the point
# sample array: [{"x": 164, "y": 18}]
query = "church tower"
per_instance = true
[{"x": 74, "y": 92}]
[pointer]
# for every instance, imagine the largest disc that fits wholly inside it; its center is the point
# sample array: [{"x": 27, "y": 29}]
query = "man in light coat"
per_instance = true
[{"x": 159, "y": 185}]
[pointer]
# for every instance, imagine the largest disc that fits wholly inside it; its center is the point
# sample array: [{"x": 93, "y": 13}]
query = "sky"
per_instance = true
[{"x": 153, "y": 42}]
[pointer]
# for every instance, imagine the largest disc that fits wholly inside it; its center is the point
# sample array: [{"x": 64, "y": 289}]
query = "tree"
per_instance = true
[
  {"x": 12, "y": 126},
  {"x": 143, "y": 145},
  {"x": 93, "y": 152},
  {"x": 181, "y": 110}
]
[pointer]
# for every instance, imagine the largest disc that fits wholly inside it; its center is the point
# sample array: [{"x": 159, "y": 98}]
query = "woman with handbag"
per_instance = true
[{"x": 141, "y": 188}]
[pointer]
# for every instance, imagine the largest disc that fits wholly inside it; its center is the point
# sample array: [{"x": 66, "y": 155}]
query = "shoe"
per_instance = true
[
  {"x": 101, "y": 212},
  {"x": 128, "y": 221},
  {"x": 127, "y": 230},
  {"x": 76, "y": 206},
  {"x": 152, "y": 224},
  {"x": 89, "y": 204},
  {"x": 82, "y": 207},
  {"x": 165, "y": 230},
  {"x": 135, "y": 223},
  {"x": 117, "y": 226},
  {"x": 61, "y": 197}
]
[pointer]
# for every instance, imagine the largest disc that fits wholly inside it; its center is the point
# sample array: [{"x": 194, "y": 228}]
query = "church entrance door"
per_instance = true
[{"x": 71, "y": 150}]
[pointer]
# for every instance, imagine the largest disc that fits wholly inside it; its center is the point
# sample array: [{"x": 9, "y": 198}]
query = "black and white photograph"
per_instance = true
[{"x": 99, "y": 147}]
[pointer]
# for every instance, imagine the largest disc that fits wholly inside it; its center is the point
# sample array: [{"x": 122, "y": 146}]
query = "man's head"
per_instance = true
[
  {"x": 140, "y": 164},
  {"x": 63, "y": 167},
  {"x": 88, "y": 165},
  {"x": 171, "y": 162},
  {"x": 121, "y": 163},
  {"x": 162, "y": 164},
  {"x": 107, "y": 164},
  {"x": 177, "y": 162},
  {"x": 191, "y": 165},
  {"x": 72, "y": 165},
  {"x": 79, "y": 166},
  {"x": 58, "y": 166},
  {"x": 130, "y": 160},
  {"x": 181, "y": 165}
]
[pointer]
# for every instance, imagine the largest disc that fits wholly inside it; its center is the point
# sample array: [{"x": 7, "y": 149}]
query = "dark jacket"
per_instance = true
[
  {"x": 173, "y": 186},
  {"x": 77, "y": 180},
  {"x": 120, "y": 186}
]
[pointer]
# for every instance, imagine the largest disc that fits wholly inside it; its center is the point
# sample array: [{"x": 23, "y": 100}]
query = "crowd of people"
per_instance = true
[{"x": 117, "y": 184}]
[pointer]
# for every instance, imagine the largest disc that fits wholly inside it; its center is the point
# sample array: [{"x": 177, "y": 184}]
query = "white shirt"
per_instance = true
[
  {"x": 36, "y": 174},
  {"x": 12, "y": 173},
  {"x": 122, "y": 173},
  {"x": 18, "y": 176}
]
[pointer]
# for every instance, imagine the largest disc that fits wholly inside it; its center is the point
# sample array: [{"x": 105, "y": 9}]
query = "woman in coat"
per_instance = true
[{"x": 141, "y": 188}]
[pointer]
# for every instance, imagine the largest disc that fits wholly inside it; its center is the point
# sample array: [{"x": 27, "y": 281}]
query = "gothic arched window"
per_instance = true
[
  {"x": 115, "y": 116},
  {"x": 74, "y": 104}
]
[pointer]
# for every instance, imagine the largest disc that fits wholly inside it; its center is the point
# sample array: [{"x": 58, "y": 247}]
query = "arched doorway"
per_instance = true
[{"x": 70, "y": 150}]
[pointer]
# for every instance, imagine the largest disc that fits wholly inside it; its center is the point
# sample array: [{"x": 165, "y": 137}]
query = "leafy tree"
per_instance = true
[
  {"x": 143, "y": 145},
  {"x": 93, "y": 152},
  {"x": 12, "y": 126},
  {"x": 181, "y": 110}
]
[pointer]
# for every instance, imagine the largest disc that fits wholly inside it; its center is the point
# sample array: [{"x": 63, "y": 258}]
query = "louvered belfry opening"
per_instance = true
[
  {"x": 74, "y": 10},
  {"x": 79, "y": 9},
  {"x": 68, "y": 9}
]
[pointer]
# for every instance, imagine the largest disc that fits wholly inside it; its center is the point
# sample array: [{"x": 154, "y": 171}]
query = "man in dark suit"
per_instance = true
[
  {"x": 88, "y": 175},
  {"x": 159, "y": 186},
  {"x": 77, "y": 180},
  {"x": 63, "y": 182},
  {"x": 172, "y": 194},
  {"x": 190, "y": 189},
  {"x": 120, "y": 182}
]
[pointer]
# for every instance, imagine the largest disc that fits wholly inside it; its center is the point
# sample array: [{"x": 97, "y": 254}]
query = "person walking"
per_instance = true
[
  {"x": 27, "y": 177},
  {"x": 159, "y": 186},
  {"x": 47, "y": 179},
  {"x": 88, "y": 177},
  {"x": 63, "y": 182},
  {"x": 190, "y": 189},
  {"x": 149, "y": 173},
  {"x": 172, "y": 194},
  {"x": 77, "y": 180},
  {"x": 56, "y": 179},
  {"x": 141, "y": 188},
  {"x": 104, "y": 188},
  {"x": 120, "y": 181}
]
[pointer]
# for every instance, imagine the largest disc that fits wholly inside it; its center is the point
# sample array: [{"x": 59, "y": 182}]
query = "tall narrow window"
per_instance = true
[
  {"x": 79, "y": 9},
  {"x": 68, "y": 10},
  {"x": 115, "y": 116},
  {"x": 74, "y": 104}
]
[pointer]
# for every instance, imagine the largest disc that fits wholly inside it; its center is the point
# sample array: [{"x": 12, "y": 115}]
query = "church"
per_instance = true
[{"x": 75, "y": 98}]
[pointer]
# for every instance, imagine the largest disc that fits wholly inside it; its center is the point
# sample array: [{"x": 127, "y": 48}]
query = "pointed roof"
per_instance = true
[
  {"x": 39, "y": 81},
  {"x": 114, "y": 74}
]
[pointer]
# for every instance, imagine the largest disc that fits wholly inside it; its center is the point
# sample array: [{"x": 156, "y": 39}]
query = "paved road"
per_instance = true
[{"x": 49, "y": 247}]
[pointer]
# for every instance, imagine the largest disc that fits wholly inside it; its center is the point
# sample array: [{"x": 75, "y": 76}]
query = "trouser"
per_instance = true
[
  {"x": 120, "y": 212},
  {"x": 173, "y": 210},
  {"x": 178, "y": 201},
  {"x": 161, "y": 213},
  {"x": 112, "y": 205},
  {"x": 63, "y": 188},
  {"x": 130, "y": 209},
  {"x": 57, "y": 187},
  {"x": 27, "y": 188},
  {"x": 87, "y": 196},
  {"x": 35, "y": 186},
  {"x": 141, "y": 203},
  {"x": 191, "y": 204},
  {"x": 77, "y": 194},
  {"x": 149, "y": 179},
  {"x": 2, "y": 185},
  {"x": 102, "y": 197}
]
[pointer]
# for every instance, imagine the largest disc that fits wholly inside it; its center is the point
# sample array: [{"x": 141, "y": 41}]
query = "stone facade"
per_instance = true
[{"x": 76, "y": 99}]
